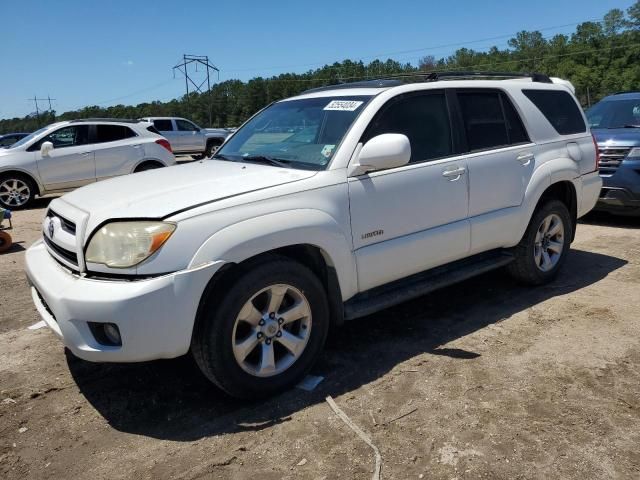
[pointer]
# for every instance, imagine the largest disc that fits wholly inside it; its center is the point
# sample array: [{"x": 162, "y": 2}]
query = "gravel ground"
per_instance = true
[{"x": 485, "y": 379}]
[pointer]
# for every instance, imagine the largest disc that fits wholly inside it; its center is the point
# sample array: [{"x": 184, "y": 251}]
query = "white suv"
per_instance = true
[
  {"x": 321, "y": 208},
  {"x": 69, "y": 154}
]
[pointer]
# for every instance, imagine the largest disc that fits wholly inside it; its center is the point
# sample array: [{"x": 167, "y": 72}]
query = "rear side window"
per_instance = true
[
  {"x": 424, "y": 119},
  {"x": 559, "y": 108},
  {"x": 163, "y": 125},
  {"x": 111, "y": 133},
  {"x": 153, "y": 129}
]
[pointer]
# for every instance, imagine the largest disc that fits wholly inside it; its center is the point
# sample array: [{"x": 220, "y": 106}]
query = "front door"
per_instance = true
[
  {"x": 191, "y": 140},
  {"x": 71, "y": 162},
  {"x": 408, "y": 219}
]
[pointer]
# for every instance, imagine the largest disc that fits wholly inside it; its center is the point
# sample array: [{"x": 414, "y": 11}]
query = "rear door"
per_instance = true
[
  {"x": 117, "y": 149},
  {"x": 71, "y": 162},
  {"x": 501, "y": 161},
  {"x": 411, "y": 218},
  {"x": 167, "y": 129}
]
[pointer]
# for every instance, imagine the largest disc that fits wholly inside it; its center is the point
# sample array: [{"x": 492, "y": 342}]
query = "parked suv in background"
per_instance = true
[
  {"x": 321, "y": 208},
  {"x": 187, "y": 138},
  {"x": 9, "y": 139},
  {"x": 615, "y": 122},
  {"x": 69, "y": 154}
]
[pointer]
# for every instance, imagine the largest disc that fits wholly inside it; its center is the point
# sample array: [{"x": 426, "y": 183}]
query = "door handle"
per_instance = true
[
  {"x": 525, "y": 158},
  {"x": 136, "y": 145},
  {"x": 84, "y": 154},
  {"x": 454, "y": 174}
]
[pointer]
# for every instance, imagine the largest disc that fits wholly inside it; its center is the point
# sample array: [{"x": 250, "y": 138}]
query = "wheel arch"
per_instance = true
[
  {"x": 25, "y": 173},
  {"x": 148, "y": 160}
]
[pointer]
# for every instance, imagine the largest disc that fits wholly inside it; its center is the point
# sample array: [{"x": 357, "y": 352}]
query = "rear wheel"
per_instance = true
[
  {"x": 16, "y": 191},
  {"x": 262, "y": 334},
  {"x": 544, "y": 246},
  {"x": 212, "y": 147},
  {"x": 143, "y": 167}
]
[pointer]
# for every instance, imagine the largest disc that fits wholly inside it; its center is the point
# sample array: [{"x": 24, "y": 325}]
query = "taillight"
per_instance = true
[
  {"x": 595, "y": 144},
  {"x": 165, "y": 143}
]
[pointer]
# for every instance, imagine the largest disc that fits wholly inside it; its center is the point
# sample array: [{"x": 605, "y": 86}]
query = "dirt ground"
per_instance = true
[{"x": 485, "y": 379}]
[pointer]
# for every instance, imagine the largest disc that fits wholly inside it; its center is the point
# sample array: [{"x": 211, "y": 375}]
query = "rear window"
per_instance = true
[
  {"x": 163, "y": 125},
  {"x": 559, "y": 108},
  {"x": 111, "y": 133}
]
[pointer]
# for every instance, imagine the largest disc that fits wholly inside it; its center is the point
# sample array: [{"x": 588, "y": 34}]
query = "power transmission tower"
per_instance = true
[
  {"x": 35, "y": 101},
  {"x": 195, "y": 60}
]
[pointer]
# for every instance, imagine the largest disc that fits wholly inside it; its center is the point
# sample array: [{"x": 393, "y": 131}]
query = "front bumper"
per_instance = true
[
  {"x": 621, "y": 190},
  {"x": 155, "y": 316}
]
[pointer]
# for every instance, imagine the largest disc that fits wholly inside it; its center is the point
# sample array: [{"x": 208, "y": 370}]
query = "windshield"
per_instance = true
[
  {"x": 615, "y": 114},
  {"x": 28, "y": 138},
  {"x": 296, "y": 133}
]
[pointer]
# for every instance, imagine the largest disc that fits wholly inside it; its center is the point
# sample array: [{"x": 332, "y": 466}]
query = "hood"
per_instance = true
[
  {"x": 617, "y": 137},
  {"x": 164, "y": 191}
]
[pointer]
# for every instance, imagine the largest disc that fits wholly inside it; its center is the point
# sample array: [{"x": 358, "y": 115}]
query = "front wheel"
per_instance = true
[
  {"x": 263, "y": 333},
  {"x": 544, "y": 246},
  {"x": 16, "y": 191}
]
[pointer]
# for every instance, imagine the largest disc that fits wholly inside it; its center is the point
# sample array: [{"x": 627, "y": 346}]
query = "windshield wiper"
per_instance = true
[
  {"x": 278, "y": 162},
  {"x": 219, "y": 156}
]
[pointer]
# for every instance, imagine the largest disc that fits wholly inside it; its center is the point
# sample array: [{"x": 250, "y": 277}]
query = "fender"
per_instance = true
[
  {"x": 251, "y": 237},
  {"x": 554, "y": 171}
]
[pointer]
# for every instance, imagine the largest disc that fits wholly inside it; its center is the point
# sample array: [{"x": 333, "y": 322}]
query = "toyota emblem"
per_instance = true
[{"x": 51, "y": 228}]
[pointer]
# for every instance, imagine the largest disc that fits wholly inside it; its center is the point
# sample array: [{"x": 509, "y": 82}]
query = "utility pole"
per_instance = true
[
  {"x": 35, "y": 101},
  {"x": 183, "y": 68}
]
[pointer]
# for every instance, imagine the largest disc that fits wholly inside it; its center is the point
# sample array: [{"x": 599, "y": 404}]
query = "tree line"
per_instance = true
[{"x": 598, "y": 58}]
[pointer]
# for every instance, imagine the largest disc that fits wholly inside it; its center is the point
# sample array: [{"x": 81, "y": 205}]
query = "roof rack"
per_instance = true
[
  {"x": 431, "y": 77},
  {"x": 117, "y": 120}
]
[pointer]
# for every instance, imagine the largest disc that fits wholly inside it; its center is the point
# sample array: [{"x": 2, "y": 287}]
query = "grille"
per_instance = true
[
  {"x": 68, "y": 255},
  {"x": 67, "y": 225},
  {"x": 611, "y": 157}
]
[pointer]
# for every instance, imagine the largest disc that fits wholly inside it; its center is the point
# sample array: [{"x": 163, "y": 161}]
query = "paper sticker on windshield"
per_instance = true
[
  {"x": 343, "y": 105},
  {"x": 327, "y": 150}
]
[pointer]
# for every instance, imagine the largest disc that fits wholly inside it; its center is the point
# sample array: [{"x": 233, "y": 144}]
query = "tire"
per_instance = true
[
  {"x": 212, "y": 146},
  {"x": 224, "y": 345},
  {"x": 200, "y": 156},
  {"x": 543, "y": 249},
  {"x": 5, "y": 241},
  {"x": 16, "y": 191},
  {"x": 143, "y": 167}
]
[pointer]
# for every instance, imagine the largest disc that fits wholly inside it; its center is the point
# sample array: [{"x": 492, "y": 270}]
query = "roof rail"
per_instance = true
[
  {"x": 116, "y": 120},
  {"x": 535, "y": 77}
]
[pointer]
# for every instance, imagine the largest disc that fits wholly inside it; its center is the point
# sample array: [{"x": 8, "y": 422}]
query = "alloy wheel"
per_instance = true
[
  {"x": 271, "y": 330},
  {"x": 14, "y": 192},
  {"x": 549, "y": 242}
]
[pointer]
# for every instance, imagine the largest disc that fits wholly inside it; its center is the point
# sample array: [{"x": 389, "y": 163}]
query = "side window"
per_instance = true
[
  {"x": 111, "y": 133},
  {"x": 67, "y": 137},
  {"x": 185, "y": 126},
  {"x": 163, "y": 125},
  {"x": 424, "y": 119},
  {"x": 559, "y": 108},
  {"x": 7, "y": 140},
  {"x": 484, "y": 122}
]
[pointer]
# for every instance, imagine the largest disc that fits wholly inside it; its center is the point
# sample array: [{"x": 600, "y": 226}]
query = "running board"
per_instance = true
[{"x": 405, "y": 289}]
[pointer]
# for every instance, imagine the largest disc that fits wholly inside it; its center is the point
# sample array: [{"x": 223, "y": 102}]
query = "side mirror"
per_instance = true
[
  {"x": 46, "y": 148},
  {"x": 388, "y": 150}
]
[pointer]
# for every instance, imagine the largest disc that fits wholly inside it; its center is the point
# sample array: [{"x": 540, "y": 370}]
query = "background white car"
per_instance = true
[{"x": 69, "y": 154}]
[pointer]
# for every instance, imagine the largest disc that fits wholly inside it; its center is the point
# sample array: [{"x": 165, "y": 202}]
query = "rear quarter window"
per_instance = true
[{"x": 559, "y": 108}]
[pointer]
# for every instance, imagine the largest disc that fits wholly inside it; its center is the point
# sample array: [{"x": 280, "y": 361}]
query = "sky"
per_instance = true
[{"x": 110, "y": 52}]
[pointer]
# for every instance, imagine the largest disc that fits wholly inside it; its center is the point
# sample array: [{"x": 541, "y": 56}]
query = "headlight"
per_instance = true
[
  {"x": 634, "y": 153},
  {"x": 125, "y": 244}
]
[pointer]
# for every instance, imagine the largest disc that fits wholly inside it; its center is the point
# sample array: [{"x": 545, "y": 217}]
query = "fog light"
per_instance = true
[
  {"x": 112, "y": 333},
  {"x": 107, "y": 334}
]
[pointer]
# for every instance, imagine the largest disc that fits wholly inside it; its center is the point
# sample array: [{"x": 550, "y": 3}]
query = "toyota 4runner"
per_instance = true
[{"x": 321, "y": 208}]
